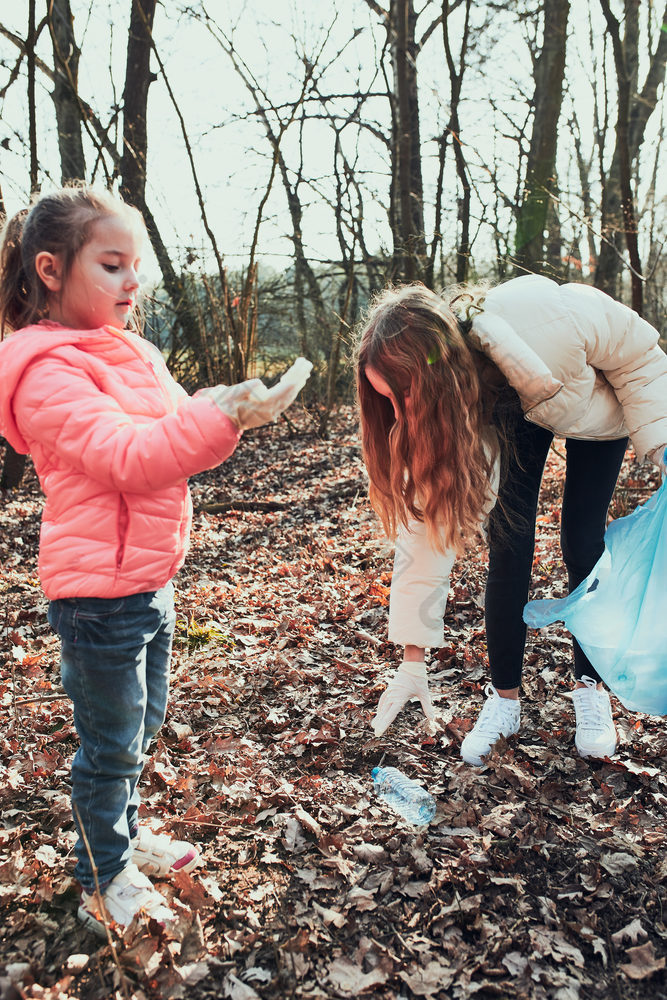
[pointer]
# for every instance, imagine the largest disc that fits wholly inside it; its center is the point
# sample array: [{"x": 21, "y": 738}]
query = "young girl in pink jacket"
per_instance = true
[
  {"x": 113, "y": 439},
  {"x": 460, "y": 397}
]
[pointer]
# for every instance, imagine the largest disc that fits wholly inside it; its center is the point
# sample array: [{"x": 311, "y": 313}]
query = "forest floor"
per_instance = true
[{"x": 542, "y": 877}]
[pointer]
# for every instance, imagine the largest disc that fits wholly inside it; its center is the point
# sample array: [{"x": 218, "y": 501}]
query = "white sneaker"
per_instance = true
[
  {"x": 127, "y": 894},
  {"x": 158, "y": 854},
  {"x": 595, "y": 734},
  {"x": 499, "y": 717}
]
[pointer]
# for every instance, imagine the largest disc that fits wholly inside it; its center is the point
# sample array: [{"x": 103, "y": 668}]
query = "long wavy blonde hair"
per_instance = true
[{"x": 427, "y": 461}]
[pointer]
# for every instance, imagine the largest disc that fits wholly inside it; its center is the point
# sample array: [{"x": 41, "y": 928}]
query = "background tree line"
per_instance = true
[{"x": 367, "y": 141}]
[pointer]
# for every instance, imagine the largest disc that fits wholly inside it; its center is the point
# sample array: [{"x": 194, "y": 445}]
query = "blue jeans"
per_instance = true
[{"x": 115, "y": 667}]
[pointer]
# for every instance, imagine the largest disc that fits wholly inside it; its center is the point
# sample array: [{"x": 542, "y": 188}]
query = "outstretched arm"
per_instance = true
[{"x": 417, "y": 605}]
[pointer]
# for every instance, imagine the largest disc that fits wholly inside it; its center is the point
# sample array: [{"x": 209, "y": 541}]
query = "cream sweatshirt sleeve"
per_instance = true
[
  {"x": 420, "y": 578},
  {"x": 419, "y": 589}
]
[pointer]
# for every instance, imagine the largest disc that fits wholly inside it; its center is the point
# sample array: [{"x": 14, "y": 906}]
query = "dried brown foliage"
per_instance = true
[{"x": 543, "y": 876}]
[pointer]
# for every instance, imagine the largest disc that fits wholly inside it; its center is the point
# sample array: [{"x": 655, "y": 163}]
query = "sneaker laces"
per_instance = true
[
  {"x": 592, "y": 706},
  {"x": 494, "y": 713}
]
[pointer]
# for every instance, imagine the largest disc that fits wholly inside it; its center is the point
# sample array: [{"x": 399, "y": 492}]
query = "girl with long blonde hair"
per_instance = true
[{"x": 460, "y": 396}]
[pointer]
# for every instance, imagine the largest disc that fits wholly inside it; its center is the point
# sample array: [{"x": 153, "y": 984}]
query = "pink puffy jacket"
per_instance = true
[{"x": 114, "y": 439}]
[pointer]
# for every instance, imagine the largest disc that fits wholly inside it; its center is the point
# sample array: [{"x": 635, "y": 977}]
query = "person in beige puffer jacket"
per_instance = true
[{"x": 460, "y": 397}]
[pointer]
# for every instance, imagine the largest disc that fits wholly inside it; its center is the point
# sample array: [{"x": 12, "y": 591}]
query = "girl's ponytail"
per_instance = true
[{"x": 17, "y": 298}]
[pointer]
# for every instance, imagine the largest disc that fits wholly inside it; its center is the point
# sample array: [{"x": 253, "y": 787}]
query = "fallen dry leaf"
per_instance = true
[
  {"x": 643, "y": 962},
  {"x": 533, "y": 871}
]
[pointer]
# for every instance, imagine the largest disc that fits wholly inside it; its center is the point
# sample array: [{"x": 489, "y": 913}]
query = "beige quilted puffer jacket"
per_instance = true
[{"x": 584, "y": 366}]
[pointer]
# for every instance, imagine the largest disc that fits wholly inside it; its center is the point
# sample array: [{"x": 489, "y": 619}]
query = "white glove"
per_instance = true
[
  {"x": 408, "y": 682},
  {"x": 251, "y": 404},
  {"x": 659, "y": 458}
]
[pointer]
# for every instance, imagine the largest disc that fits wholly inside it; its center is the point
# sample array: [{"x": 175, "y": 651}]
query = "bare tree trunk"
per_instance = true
[
  {"x": 619, "y": 225},
  {"x": 14, "y": 464},
  {"x": 300, "y": 298},
  {"x": 135, "y": 101},
  {"x": 347, "y": 298},
  {"x": 97, "y": 131},
  {"x": 138, "y": 78},
  {"x": 655, "y": 301},
  {"x": 305, "y": 276},
  {"x": 619, "y": 203},
  {"x": 410, "y": 249},
  {"x": 302, "y": 266},
  {"x": 584, "y": 169},
  {"x": 454, "y": 130},
  {"x": 553, "y": 249},
  {"x": 65, "y": 90},
  {"x": 13, "y": 468},
  {"x": 540, "y": 166},
  {"x": 32, "y": 119},
  {"x": 132, "y": 164}
]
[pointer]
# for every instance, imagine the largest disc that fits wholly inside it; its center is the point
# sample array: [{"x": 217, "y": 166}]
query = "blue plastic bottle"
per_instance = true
[{"x": 405, "y": 796}]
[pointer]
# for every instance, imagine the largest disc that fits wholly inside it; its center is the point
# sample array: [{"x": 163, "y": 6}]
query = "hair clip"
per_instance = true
[
  {"x": 475, "y": 307},
  {"x": 433, "y": 356}
]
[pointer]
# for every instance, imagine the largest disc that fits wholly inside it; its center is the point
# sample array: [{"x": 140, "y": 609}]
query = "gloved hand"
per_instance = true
[
  {"x": 659, "y": 457},
  {"x": 408, "y": 682},
  {"x": 251, "y": 404}
]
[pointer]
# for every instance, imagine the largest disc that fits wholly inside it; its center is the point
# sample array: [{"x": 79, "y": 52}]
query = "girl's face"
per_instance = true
[
  {"x": 101, "y": 288},
  {"x": 381, "y": 387}
]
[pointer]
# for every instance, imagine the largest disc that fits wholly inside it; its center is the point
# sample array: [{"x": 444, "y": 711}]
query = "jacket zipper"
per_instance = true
[
  {"x": 123, "y": 517},
  {"x": 123, "y": 521}
]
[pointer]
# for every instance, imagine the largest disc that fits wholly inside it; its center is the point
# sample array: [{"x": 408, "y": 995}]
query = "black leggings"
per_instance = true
[{"x": 591, "y": 471}]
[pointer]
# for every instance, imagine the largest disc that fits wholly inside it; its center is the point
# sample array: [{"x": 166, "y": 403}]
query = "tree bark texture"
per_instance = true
[
  {"x": 135, "y": 101},
  {"x": 65, "y": 90},
  {"x": 32, "y": 117},
  {"x": 410, "y": 258},
  {"x": 618, "y": 224},
  {"x": 454, "y": 129},
  {"x": 13, "y": 467},
  {"x": 584, "y": 171},
  {"x": 14, "y": 464},
  {"x": 540, "y": 179},
  {"x": 138, "y": 78}
]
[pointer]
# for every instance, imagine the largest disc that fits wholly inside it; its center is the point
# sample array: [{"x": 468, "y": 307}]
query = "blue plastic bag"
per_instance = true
[{"x": 618, "y": 613}]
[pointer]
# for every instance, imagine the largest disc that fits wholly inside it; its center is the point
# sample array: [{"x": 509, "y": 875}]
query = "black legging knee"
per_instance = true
[{"x": 592, "y": 468}]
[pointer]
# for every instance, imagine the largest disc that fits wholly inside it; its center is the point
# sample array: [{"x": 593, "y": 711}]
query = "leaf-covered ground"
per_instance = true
[{"x": 542, "y": 876}]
